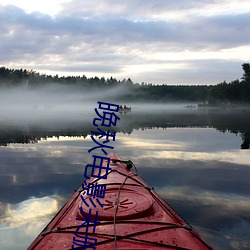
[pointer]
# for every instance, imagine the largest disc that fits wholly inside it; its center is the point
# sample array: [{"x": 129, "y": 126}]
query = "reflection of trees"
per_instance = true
[
  {"x": 234, "y": 121},
  {"x": 19, "y": 134},
  {"x": 246, "y": 141},
  {"x": 16, "y": 137}
]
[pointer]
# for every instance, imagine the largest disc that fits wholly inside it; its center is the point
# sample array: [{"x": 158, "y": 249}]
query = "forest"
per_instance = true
[{"x": 224, "y": 93}]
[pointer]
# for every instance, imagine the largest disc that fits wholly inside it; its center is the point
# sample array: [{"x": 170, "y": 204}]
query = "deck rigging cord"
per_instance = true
[{"x": 129, "y": 164}]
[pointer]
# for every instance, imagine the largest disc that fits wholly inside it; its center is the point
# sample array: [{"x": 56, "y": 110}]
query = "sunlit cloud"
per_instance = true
[
  {"x": 224, "y": 54},
  {"x": 45, "y": 6}
]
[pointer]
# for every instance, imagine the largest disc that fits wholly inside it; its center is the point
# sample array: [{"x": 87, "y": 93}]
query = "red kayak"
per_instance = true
[{"x": 130, "y": 216}]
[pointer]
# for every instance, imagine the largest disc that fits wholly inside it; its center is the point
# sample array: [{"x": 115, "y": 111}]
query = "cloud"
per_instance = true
[
  {"x": 97, "y": 39},
  {"x": 147, "y": 9},
  {"x": 115, "y": 30}
]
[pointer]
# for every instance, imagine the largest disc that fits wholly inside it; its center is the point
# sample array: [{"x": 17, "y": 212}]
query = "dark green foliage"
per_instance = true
[
  {"x": 246, "y": 69},
  {"x": 234, "y": 92}
]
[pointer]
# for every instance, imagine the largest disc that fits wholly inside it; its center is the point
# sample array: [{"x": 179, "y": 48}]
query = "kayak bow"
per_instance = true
[{"x": 132, "y": 216}]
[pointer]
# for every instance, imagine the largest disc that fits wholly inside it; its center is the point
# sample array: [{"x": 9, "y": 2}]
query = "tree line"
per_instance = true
[{"x": 236, "y": 91}]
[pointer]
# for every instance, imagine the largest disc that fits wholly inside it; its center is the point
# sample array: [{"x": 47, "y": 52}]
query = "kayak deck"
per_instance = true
[{"x": 132, "y": 216}]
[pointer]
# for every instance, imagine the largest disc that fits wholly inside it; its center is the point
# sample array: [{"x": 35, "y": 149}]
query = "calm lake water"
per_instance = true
[{"x": 197, "y": 160}]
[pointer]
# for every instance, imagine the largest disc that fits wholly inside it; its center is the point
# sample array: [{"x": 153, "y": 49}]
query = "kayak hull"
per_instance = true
[{"x": 132, "y": 216}]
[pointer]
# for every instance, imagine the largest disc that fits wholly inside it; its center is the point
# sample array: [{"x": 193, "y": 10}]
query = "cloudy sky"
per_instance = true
[{"x": 157, "y": 41}]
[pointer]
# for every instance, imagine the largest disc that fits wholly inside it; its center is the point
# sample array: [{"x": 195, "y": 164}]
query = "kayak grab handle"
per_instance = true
[{"x": 129, "y": 163}]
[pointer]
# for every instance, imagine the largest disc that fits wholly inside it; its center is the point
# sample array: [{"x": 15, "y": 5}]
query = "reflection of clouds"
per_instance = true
[
  {"x": 226, "y": 240},
  {"x": 42, "y": 168},
  {"x": 222, "y": 219},
  {"x": 202, "y": 177},
  {"x": 2, "y": 209},
  {"x": 234, "y": 156},
  {"x": 14, "y": 179},
  {"x": 228, "y": 203},
  {"x": 183, "y": 139},
  {"x": 146, "y": 144},
  {"x": 185, "y": 144},
  {"x": 47, "y": 157},
  {"x": 29, "y": 212},
  {"x": 150, "y": 143},
  {"x": 22, "y": 222}
]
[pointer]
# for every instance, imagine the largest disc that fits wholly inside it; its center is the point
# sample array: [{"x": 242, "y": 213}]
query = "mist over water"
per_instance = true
[
  {"x": 58, "y": 102},
  {"x": 55, "y": 102}
]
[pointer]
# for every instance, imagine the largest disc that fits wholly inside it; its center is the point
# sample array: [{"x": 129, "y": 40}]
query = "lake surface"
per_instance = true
[{"x": 197, "y": 160}]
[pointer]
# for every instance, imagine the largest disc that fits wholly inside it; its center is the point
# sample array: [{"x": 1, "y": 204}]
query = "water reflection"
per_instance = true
[
  {"x": 192, "y": 159},
  {"x": 24, "y": 220},
  {"x": 206, "y": 180},
  {"x": 33, "y": 209},
  {"x": 233, "y": 121}
]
